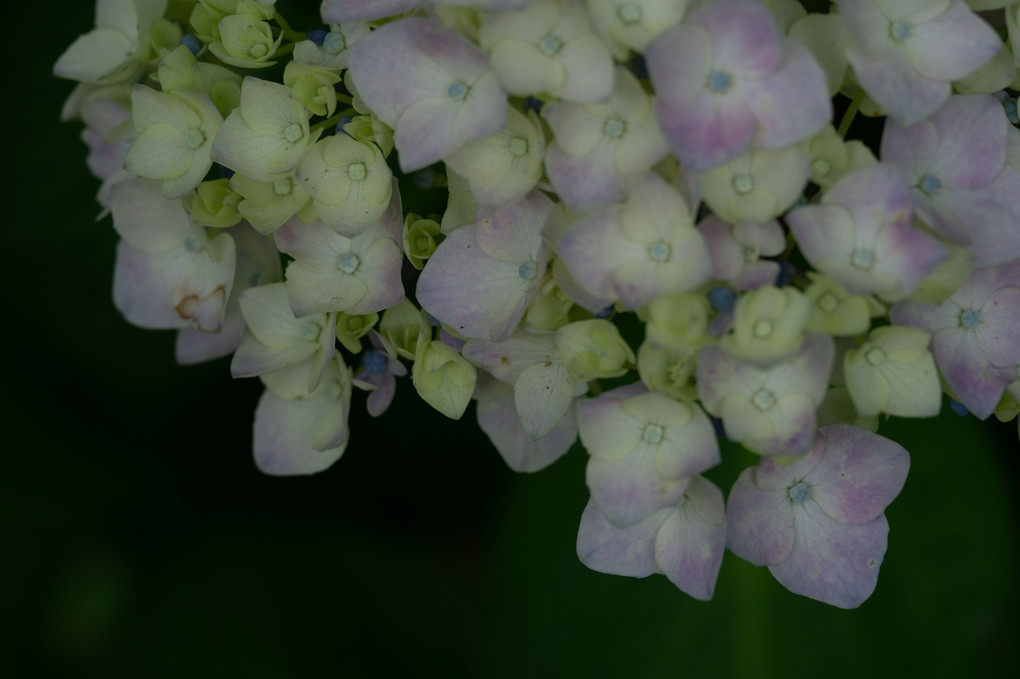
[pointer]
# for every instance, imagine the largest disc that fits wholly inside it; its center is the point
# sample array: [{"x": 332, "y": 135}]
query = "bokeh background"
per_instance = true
[{"x": 139, "y": 540}]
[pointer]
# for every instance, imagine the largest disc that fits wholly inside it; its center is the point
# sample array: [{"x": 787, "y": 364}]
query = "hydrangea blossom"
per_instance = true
[
  {"x": 727, "y": 81},
  {"x": 862, "y": 235},
  {"x": 643, "y": 447},
  {"x": 480, "y": 279},
  {"x": 963, "y": 167},
  {"x": 570, "y": 179},
  {"x": 547, "y": 47},
  {"x": 601, "y": 148},
  {"x": 975, "y": 335},
  {"x": 434, "y": 88},
  {"x": 818, "y": 524},
  {"x": 169, "y": 273},
  {"x": 640, "y": 249},
  {"x": 906, "y": 52}
]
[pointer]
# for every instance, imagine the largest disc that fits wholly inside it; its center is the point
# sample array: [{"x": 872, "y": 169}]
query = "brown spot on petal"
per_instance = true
[{"x": 205, "y": 313}]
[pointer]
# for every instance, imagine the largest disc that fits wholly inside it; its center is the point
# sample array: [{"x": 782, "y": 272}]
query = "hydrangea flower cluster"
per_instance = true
[{"x": 684, "y": 167}]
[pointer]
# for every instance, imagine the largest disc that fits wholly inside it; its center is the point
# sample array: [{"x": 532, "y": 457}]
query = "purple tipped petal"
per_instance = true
[
  {"x": 759, "y": 525},
  {"x": 605, "y": 548},
  {"x": 859, "y": 475},
  {"x": 628, "y": 490},
  {"x": 833, "y": 562},
  {"x": 977, "y": 384},
  {"x": 690, "y": 543},
  {"x": 708, "y": 131},
  {"x": 745, "y": 39}
]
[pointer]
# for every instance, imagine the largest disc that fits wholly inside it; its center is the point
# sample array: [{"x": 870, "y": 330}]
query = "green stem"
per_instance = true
[
  {"x": 288, "y": 32},
  {"x": 851, "y": 113},
  {"x": 332, "y": 120},
  {"x": 285, "y": 50}
]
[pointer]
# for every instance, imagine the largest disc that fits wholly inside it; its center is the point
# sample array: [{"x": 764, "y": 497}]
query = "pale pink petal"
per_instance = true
[
  {"x": 833, "y": 562},
  {"x": 790, "y": 103},
  {"x": 904, "y": 94},
  {"x": 859, "y": 475},
  {"x": 759, "y": 522},
  {"x": 976, "y": 383},
  {"x": 707, "y": 131},
  {"x": 952, "y": 45},
  {"x": 690, "y": 543},
  {"x": 629, "y": 490},
  {"x": 606, "y": 548},
  {"x": 679, "y": 64},
  {"x": 498, "y": 418},
  {"x": 745, "y": 40}
]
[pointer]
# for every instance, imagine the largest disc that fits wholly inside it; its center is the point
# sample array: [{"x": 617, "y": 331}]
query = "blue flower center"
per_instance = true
[
  {"x": 550, "y": 45},
  {"x": 862, "y": 258},
  {"x": 658, "y": 252},
  {"x": 614, "y": 128},
  {"x": 930, "y": 184},
  {"x": 456, "y": 91},
  {"x": 763, "y": 400},
  {"x": 527, "y": 271},
  {"x": 800, "y": 492},
  {"x": 348, "y": 263},
  {"x": 899, "y": 30},
  {"x": 718, "y": 81},
  {"x": 374, "y": 361},
  {"x": 970, "y": 318},
  {"x": 652, "y": 433}
]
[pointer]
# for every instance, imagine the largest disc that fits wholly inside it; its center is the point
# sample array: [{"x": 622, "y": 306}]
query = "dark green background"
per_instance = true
[{"x": 138, "y": 540}]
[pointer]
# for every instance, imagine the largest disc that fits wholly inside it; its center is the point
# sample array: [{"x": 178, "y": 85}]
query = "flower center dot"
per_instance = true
[
  {"x": 875, "y": 356},
  {"x": 749, "y": 253},
  {"x": 348, "y": 263},
  {"x": 293, "y": 132},
  {"x": 527, "y": 271},
  {"x": 258, "y": 50},
  {"x": 194, "y": 138},
  {"x": 310, "y": 332},
  {"x": 899, "y": 30},
  {"x": 192, "y": 243},
  {"x": 652, "y": 433},
  {"x": 970, "y": 318},
  {"x": 456, "y": 90},
  {"x": 550, "y": 45},
  {"x": 629, "y": 13},
  {"x": 333, "y": 43},
  {"x": 820, "y": 167},
  {"x": 930, "y": 184},
  {"x": 862, "y": 258},
  {"x": 614, "y": 128},
  {"x": 356, "y": 171},
  {"x": 282, "y": 187},
  {"x": 658, "y": 252},
  {"x": 800, "y": 492},
  {"x": 743, "y": 183},
  {"x": 518, "y": 146},
  {"x": 828, "y": 302},
  {"x": 763, "y": 399},
  {"x": 718, "y": 81},
  {"x": 762, "y": 329}
]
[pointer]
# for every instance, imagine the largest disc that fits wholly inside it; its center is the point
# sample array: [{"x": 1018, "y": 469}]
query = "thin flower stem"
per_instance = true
[
  {"x": 851, "y": 113},
  {"x": 288, "y": 32}
]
